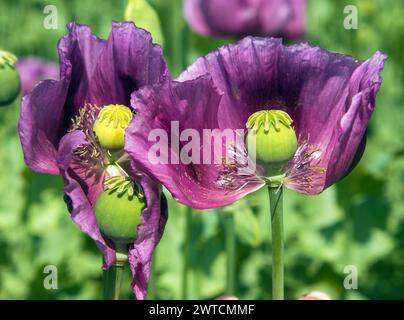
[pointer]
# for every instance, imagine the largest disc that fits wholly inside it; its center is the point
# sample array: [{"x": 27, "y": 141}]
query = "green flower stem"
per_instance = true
[
  {"x": 151, "y": 294},
  {"x": 180, "y": 55},
  {"x": 187, "y": 252},
  {"x": 231, "y": 254},
  {"x": 276, "y": 204},
  {"x": 112, "y": 283},
  {"x": 179, "y": 32},
  {"x": 114, "y": 275}
]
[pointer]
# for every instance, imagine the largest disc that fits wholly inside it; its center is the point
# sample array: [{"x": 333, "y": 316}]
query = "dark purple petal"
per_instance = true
[
  {"x": 78, "y": 192},
  {"x": 245, "y": 72},
  {"x": 128, "y": 62},
  {"x": 334, "y": 106},
  {"x": 39, "y": 125},
  {"x": 194, "y": 105},
  {"x": 79, "y": 53},
  {"x": 329, "y": 96},
  {"x": 107, "y": 72},
  {"x": 364, "y": 85},
  {"x": 44, "y": 112},
  {"x": 247, "y": 17},
  {"x": 32, "y": 70},
  {"x": 149, "y": 232}
]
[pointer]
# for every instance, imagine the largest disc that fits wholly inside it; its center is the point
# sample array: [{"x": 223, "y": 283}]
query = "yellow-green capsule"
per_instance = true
[
  {"x": 9, "y": 78},
  {"x": 118, "y": 211},
  {"x": 272, "y": 135},
  {"x": 110, "y": 126}
]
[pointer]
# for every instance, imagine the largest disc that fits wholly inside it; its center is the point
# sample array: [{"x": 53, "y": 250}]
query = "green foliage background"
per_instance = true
[{"x": 359, "y": 222}]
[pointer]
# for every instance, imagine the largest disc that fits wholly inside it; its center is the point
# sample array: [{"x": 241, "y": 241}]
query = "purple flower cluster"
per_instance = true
[{"x": 330, "y": 97}]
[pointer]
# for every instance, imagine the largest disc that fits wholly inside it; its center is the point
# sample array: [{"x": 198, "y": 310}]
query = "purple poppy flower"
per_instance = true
[
  {"x": 283, "y": 18},
  {"x": 32, "y": 70},
  {"x": 57, "y": 138},
  {"x": 329, "y": 96}
]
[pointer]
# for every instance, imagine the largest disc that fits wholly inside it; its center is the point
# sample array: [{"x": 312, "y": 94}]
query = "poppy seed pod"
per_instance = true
[
  {"x": 110, "y": 126},
  {"x": 272, "y": 134},
  {"x": 9, "y": 78},
  {"x": 118, "y": 210}
]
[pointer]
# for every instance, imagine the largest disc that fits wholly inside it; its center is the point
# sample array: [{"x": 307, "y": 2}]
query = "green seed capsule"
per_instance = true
[
  {"x": 9, "y": 78},
  {"x": 273, "y": 136},
  {"x": 118, "y": 215}
]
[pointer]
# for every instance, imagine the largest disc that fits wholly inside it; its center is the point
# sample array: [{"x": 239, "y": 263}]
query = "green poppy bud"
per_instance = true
[
  {"x": 110, "y": 126},
  {"x": 9, "y": 78},
  {"x": 118, "y": 210},
  {"x": 273, "y": 135}
]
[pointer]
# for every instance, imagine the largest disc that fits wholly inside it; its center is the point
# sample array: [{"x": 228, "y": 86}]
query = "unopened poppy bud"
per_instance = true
[
  {"x": 110, "y": 126},
  {"x": 272, "y": 134},
  {"x": 9, "y": 78},
  {"x": 118, "y": 209}
]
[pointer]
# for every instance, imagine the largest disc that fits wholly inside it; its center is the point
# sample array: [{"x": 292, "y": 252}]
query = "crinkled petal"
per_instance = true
[
  {"x": 334, "y": 105},
  {"x": 247, "y": 75},
  {"x": 128, "y": 62},
  {"x": 349, "y": 132},
  {"x": 77, "y": 190},
  {"x": 79, "y": 53},
  {"x": 193, "y": 105},
  {"x": 108, "y": 71},
  {"x": 46, "y": 111},
  {"x": 329, "y": 96},
  {"x": 149, "y": 233},
  {"x": 39, "y": 125}
]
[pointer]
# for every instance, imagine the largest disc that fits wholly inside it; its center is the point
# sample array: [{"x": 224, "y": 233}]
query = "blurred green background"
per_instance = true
[{"x": 358, "y": 222}]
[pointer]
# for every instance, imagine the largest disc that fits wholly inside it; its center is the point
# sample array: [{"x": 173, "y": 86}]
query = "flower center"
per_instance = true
[
  {"x": 268, "y": 118},
  {"x": 110, "y": 125},
  {"x": 271, "y": 139},
  {"x": 115, "y": 115}
]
